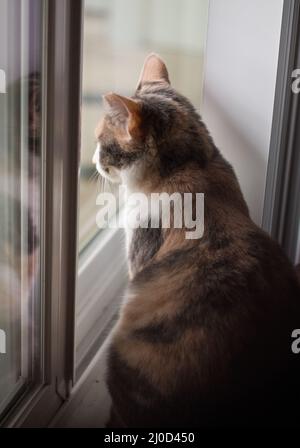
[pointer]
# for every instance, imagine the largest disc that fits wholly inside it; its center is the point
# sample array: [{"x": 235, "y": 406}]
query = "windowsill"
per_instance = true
[
  {"x": 102, "y": 277},
  {"x": 89, "y": 404}
]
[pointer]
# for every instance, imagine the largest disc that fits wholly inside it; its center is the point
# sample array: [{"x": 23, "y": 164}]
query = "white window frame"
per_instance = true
[{"x": 102, "y": 277}]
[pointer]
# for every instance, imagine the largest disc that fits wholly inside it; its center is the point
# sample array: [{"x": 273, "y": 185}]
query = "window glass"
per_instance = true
[
  {"x": 118, "y": 35},
  {"x": 20, "y": 175}
]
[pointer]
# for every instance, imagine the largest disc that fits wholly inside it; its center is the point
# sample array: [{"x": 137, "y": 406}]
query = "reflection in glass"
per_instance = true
[
  {"x": 118, "y": 34},
  {"x": 20, "y": 127}
]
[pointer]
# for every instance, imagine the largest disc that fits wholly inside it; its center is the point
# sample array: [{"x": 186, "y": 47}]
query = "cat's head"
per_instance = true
[{"x": 152, "y": 134}]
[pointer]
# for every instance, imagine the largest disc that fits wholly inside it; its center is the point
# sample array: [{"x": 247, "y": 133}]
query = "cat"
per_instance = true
[{"x": 203, "y": 337}]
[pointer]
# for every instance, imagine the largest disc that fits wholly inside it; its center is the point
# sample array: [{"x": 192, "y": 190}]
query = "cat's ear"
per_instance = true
[
  {"x": 124, "y": 113},
  {"x": 154, "y": 70}
]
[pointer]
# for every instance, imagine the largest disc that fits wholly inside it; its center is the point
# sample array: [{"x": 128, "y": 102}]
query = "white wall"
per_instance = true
[{"x": 240, "y": 75}]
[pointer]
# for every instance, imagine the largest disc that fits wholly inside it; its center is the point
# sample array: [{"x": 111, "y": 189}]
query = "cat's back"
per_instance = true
[{"x": 208, "y": 324}]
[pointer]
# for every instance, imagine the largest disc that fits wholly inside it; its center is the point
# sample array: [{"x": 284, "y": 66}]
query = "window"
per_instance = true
[
  {"x": 118, "y": 35},
  {"x": 20, "y": 178},
  {"x": 40, "y": 40}
]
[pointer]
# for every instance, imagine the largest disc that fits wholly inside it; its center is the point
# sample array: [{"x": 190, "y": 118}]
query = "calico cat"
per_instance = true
[{"x": 203, "y": 337}]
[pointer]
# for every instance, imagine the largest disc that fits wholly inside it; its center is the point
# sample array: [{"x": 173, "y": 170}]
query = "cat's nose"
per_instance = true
[{"x": 96, "y": 155}]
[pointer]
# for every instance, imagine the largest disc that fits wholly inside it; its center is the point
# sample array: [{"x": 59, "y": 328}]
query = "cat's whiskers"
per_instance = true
[
  {"x": 102, "y": 184},
  {"x": 93, "y": 177}
]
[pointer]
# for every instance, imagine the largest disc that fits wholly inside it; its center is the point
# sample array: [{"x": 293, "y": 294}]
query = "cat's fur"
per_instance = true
[{"x": 204, "y": 334}]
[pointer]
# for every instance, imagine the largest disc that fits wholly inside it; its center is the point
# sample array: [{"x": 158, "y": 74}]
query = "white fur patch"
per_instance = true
[
  {"x": 96, "y": 158},
  {"x": 113, "y": 176},
  {"x": 132, "y": 176}
]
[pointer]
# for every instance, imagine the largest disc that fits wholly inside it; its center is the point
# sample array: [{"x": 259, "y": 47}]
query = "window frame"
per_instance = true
[
  {"x": 62, "y": 31},
  {"x": 281, "y": 215}
]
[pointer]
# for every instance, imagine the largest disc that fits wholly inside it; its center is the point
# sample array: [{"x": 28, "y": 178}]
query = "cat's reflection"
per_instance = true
[{"x": 20, "y": 135}]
